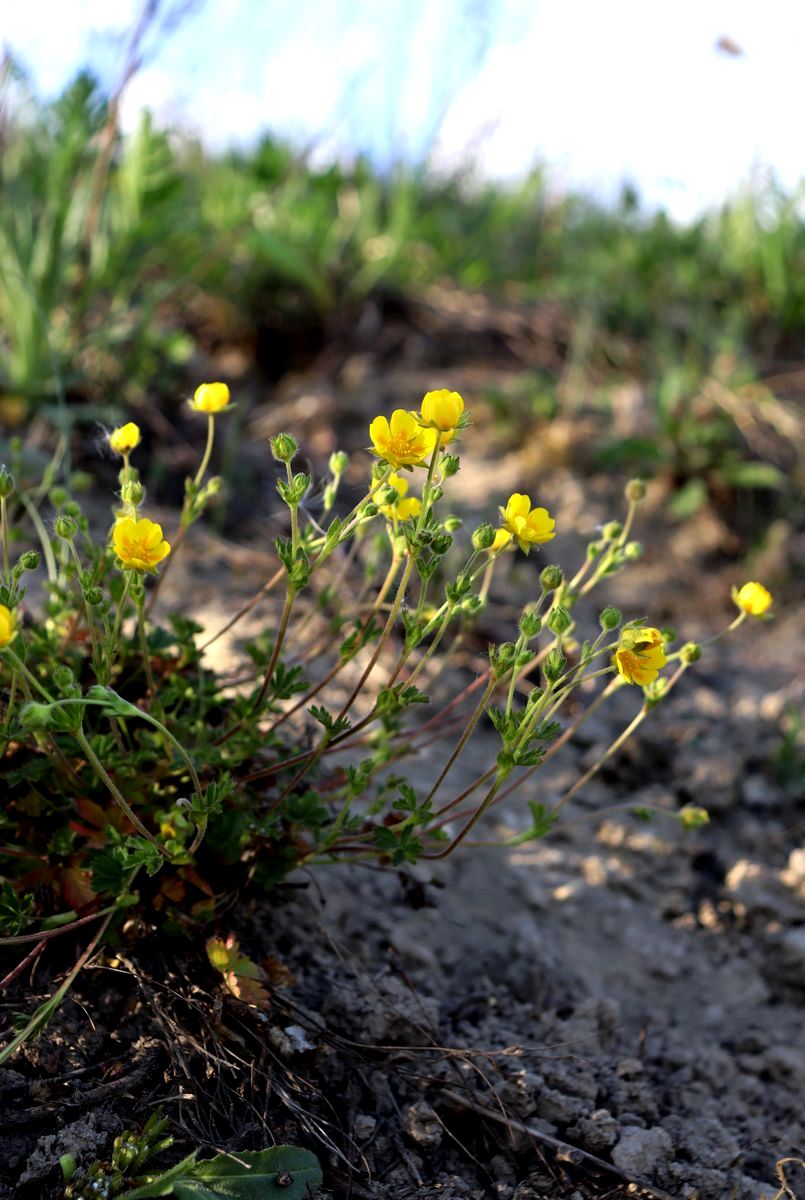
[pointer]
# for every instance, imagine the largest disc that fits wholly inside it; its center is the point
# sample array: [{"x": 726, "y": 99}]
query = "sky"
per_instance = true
[{"x": 601, "y": 91}]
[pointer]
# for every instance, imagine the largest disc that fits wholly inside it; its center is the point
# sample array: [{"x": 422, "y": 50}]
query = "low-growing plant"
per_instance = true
[
  {"x": 134, "y": 775},
  {"x": 279, "y": 1173}
]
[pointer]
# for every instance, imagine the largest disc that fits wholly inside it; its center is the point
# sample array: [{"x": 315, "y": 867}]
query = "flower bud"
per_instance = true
[
  {"x": 559, "y": 620},
  {"x": 473, "y": 604},
  {"x": 691, "y": 652},
  {"x": 530, "y": 624},
  {"x": 388, "y": 495},
  {"x": 35, "y": 716},
  {"x": 284, "y": 447},
  {"x": 612, "y": 530},
  {"x": 483, "y": 537},
  {"x": 369, "y": 510},
  {"x": 65, "y": 527},
  {"x": 594, "y": 549},
  {"x": 436, "y": 493},
  {"x": 551, "y": 577},
  {"x": 93, "y": 596},
  {"x": 58, "y": 495},
  {"x": 632, "y": 551},
  {"x": 635, "y": 490},
  {"x": 339, "y": 462},
  {"x": 63, "y": 679},
  {"x": 693, "y": 817},
  {"x": 451, "y": 524},
  {"x": 610, "y": 618},
  {"x": 71, "y": 508},
  {"x": 30, "y": 560},
  {"x": 80, "y": 481},
  {"x": 6, "y": 483},
  {"x": 449, "y": 465},
  {"x": 554, "y": 665},
  {"x": 132, "y": 493},
  {"x": 441, "y": 543}
]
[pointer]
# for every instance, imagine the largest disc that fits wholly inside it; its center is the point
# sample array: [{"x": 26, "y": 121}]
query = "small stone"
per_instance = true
[
  {"x": 364, "y": 1127},
  {"x": 629, "y": 1068},
  {"x": 758, "y": 792},
  {"x": 556, "y": 1107},
  {"x": 640, "y": 1151},
  {"x": 599, "y": 1131},
  {"x": 422, "y": 1125}
]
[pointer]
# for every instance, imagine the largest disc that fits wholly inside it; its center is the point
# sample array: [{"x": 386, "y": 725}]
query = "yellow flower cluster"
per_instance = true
[
  {"x": 8, "y": 625},
  {"x": 640, "y": 656},
  {"x": 139, "y": 545}
]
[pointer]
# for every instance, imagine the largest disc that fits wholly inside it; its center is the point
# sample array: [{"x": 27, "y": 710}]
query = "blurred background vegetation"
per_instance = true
[{"x": 133, "y": 266}]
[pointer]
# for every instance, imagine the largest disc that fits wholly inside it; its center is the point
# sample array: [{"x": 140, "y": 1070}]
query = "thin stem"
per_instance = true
[
  {"x": 4, "y": 532},
  {"x": 205, "y": 461},
  {"x": 290, "y": 597},
  {"x": 117, "y": 795},
  {"x": 473, "y": 721},
  {"x": 149, "y": 674},
  {"x": 247, "y": 608}
]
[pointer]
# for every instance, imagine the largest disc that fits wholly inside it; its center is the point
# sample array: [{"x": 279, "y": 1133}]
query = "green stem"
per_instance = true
[{"x": 116, "y": 794}]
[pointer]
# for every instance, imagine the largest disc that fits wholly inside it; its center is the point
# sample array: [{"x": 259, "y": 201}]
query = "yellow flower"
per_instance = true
[
  {"x": 8, "y": 625},
  {"x": 210, "y": 398},
  {"x": 402, "y": 509},
  {"x": 528, "y": 526},
  {"x": 402, "y": 442},
  {"x": 442, "y": 410},
  {"x": 125, "y": 438},
  {"x": 640, "y": 656},
  {"x": 139, "y": 544},
  {"x": 502, "y": 538},
  {"x": 752, "y": 599}
]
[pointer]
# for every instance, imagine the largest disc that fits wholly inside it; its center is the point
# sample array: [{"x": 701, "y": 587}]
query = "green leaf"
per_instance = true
[
  {"x": 281, "y": 1173},
  {"x": 163, "y": 1184},
  {"x": 14, "y": 910}
]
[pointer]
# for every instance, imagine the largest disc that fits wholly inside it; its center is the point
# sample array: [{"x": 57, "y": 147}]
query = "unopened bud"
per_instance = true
[
  {"x": 35, "y": 716},
  {"x": 610, "y": 618},
  {"x": 612, "y": 530},
  {"x": 483, "y": 537},
  {"x": 691, "y": 652},
  {"x": 635, "y": 490},
  {"x": 451, "y": 524},
  {"x": 6, "y": 483},
  {"x": 693, "y": 817},
  {"x": 338, "y": 463},
  {"x": 554, "y": 665},
  {"x": 30, "y": 560},
  {"x": 65, "y": 527},
  {"x": 559, "y": 619},
  {"x": 449, "y": 465},
  {"x": 551, "y": 577},
  {"x": 132, "y": 492},
  {"x": 530, "y": 624},
  {"x": 284, "y": 447},
  {"x": 633, "y": 551}
]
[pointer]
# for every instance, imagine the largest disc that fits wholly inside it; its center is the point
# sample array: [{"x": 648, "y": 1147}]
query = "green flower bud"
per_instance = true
[
  {"x": 551, "y": 577},
  {"x": 612, "y": 530},
  {"x": 369, "y": 510},
  {"x": 594, "y": 549},
  {"x": 451, "y": 524},
  {"x": 35, "y": 716},
  {"x": 501, "y": 658},
  {"x": 339, "y": 462},
  {"x": 30, "y": 560},
  {"x": 71, "y": 508},
  {"x": 530, "y": 624},
  {"x": 80, "y": 481},
  {"x": 441, "y": 543},
  {"x": 6, "y": 483},
  {"x": 610, "y": 618},
  {"x": 449, "y": 465},
  {"x": 65, "y": 527},
  {"x": 436, "y": 493},
  {"x": 483, "y": 537},
  {"x": 58, "y": 496},
  {"x": 284, "y": 447},
  {"x": 214, "y": 485},
  {"x": 554, "y": 665},
  {"x": 63, "y": 679},
  {"x": 93, "y": 596},
  {"x": 388, "y": 495},
  {"x": 635, "y": 490},
  {"x": 132, "y": 492},
  {"x": 691, "y": 652},
  {"x": 559, "y": 619},
  {"x": 632, "y": 551},
  {"x": 137, "y": 590}
]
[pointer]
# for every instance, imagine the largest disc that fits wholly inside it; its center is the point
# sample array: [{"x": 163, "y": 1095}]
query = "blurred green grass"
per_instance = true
[{"x": 123, "y": 258}]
